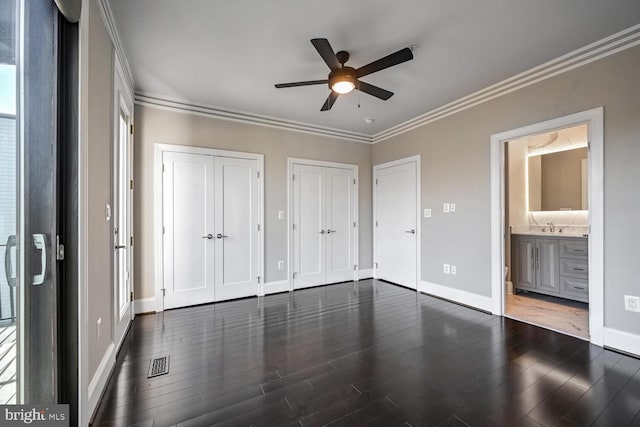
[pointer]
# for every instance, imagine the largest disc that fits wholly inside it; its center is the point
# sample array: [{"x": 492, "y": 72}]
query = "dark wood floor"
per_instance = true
[{"x": 366, "y": 353}]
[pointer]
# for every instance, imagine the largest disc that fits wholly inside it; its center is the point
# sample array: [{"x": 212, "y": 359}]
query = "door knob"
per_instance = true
[
  {"x": 220, "y": 236},
  {"x": 412, "y": 231},
  {"x": 208, "y": 236},
  {"x": 120, "y": 247},
  {"x": 321, "y": 231},
  {"x": 331, "y": 231}
]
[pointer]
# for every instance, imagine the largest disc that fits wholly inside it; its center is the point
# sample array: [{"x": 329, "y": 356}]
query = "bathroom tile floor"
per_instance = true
[{"x": 558, "y": 314}]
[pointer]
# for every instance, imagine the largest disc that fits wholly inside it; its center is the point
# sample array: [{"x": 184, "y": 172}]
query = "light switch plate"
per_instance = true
[
  {"x": 280, "y": 265},
  {"x": 452, "y": 207},
  {"x": 632, "y": 303},
  {"x": 280, "y": 215},
  {"x": 107, "y": 212},
  {"x": 427, "y": 213},
  {"x": 446, "y": 207},
  {"x": 446, "y": 268},
  {"x": 453, "y": 270}
]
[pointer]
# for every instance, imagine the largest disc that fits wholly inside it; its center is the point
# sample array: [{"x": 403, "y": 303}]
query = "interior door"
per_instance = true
[
  {"x": 236, "y": 228},
  {"x": 339, "y": 216},
  {"x": 309, "y": 227},
  {"x": 395, "y": 224},
  {"x": 122, "y": 210},
  {"x": 188, "y": 221}
]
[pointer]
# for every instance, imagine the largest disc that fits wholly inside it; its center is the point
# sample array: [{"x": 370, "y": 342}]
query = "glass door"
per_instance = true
[{"x": 28, "y": 201}]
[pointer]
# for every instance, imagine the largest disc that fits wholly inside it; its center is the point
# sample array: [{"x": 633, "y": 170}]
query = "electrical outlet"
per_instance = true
[
  {"x": 446, "y": 207},
  {"x": 632, "y": 303},
  {"x": 446, "y": 268},
  {"x": 280, "y": 265},
  {"x": 452, "y": 207},
  {"x": 427, "y": 213},
  {"x": 453, "y": 270}
]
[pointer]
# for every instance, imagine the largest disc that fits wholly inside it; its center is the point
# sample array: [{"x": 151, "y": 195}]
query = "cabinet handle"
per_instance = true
[
  {"x": 578, "y": 269},
  {"x": 537, "y": 258},
  {"x": 579, "y": 287}
]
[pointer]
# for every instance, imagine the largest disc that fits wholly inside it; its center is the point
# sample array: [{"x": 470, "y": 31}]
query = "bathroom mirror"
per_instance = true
[{"x": 558, "y": 181}]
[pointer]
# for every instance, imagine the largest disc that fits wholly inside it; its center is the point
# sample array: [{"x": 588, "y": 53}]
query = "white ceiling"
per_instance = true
[{"x": 229, "y": 54}]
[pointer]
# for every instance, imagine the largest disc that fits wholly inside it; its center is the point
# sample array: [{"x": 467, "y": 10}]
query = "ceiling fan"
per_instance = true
[{"x": 343, "y": 80}]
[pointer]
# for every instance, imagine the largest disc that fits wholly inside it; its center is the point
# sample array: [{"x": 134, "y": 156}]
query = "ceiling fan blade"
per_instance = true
[
  {"x": 330, "y": 101},
  {"x": 307, "y": 83},
  {"x": 326, "y": 52},
  {"x": 395, "y": 58},
  {"x": 372, "y": 90}
]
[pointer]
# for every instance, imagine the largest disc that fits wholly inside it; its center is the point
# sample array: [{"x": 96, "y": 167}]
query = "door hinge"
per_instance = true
[
  {"x": 163, "y": 167},
  {"x": 59, "y": 249},
  {"x": 258, "y": 174},
  {"x": 294, "y": 226},
  {"x": 589, "y": 146},
  {"x": 258, "y": 277},
  {"x": 293, "y": 177},
  {"x": 376, "y": 264},
  {"x": 131, "y": 185},
  {"x": 163, "y": 292},
  {"x": 354, "y": 224},
  {"x": 258, "y": 227},
  {"x": 163, "y": 229},
  {"x": 376, "y": 223},
  {"x": 131, "y": 128},
  {"x": 354, "y": 181},
  {"x": 131, "y": 296},
  {"x": 376, "y": 181},
  {"x": 355, "y": 267},
  {"x": 130, "y": 240},
  {"x": 294, "y": 274}
]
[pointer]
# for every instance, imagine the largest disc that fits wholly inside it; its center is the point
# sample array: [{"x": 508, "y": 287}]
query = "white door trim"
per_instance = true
[
  {"x": 159, "y": 150},
  {"x": 594, "y": 118},
  {"x": 122, "y": 98},
  {"x": 417, "y": 160},
  {"x": 293, "y": 161}
]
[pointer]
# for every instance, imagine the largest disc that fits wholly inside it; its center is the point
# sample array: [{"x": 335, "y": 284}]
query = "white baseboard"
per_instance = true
[
  {"x": 145, "y": 305},
  {"x": 456, "y": 295},
  {"x": 620, "y": 340},
  {"x": 275, "y": 287},
  {"x": 99, "y": 380},
  {"x": 365, "y": 273}
]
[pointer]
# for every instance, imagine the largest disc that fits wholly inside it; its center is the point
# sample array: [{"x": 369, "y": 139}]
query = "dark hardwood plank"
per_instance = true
[{"x": 366, "y": 353}]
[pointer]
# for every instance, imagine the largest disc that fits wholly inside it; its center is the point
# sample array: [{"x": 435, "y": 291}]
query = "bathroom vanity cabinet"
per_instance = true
[{"x": 551, "y": 265}]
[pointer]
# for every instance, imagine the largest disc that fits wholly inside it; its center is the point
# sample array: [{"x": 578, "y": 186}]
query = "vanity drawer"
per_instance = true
[
  {"x": 575, "y": 288},
  {"x": 574, "y": 268},
  {"x": 574, "y": 248}
]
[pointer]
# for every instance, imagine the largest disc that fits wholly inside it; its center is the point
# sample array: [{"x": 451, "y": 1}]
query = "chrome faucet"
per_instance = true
[{"x": 550, "y": 224}]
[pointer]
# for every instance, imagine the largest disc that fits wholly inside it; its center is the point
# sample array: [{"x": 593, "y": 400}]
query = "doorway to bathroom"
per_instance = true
[{"x": 550, "y": 241}]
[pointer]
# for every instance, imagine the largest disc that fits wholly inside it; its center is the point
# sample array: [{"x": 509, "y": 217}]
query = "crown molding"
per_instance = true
[
  {"x": 183, "y": 106},
  {"x": 112, "y": 30},
  {"x": 611, "y": 45},
  {"x": 608, "y": 46}
]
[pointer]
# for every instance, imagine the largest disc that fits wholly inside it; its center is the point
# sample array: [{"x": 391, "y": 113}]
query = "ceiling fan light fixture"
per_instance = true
[{"x": 342, "y": 81}]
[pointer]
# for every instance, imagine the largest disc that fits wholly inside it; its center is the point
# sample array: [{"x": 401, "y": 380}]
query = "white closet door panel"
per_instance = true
[
  {"x": 309, "y": 243},
  {"x": 236, "y": 228},
  {"x": 187, "y": 218},
  {"x": 396, "y": 206},
  {"x": 339, "y": 224}
]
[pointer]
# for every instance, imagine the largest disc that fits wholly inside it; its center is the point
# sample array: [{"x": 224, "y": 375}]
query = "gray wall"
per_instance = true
[
  {"x": 99, "y": 188},
  {"x": 456, "y": 168},
  {"x": 162, "y": 126}
]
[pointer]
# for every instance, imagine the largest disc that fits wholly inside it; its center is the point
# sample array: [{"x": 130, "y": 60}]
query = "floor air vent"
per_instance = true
[{"x": 159, "y": 366}]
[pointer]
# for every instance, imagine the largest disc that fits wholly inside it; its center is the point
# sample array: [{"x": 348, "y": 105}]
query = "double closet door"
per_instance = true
[
  {"x": 324, "y": 225},
  {"x": 210, "y": 228}
]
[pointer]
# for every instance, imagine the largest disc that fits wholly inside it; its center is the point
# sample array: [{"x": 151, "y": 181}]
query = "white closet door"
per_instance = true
[
  {"x": 396, "y": 228},
  {"x": 308, "y": 219},
  {"x": 236, "y": 228},
  {"x": 188, "y": 253},
  {"x": 339, "y": 217}
]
